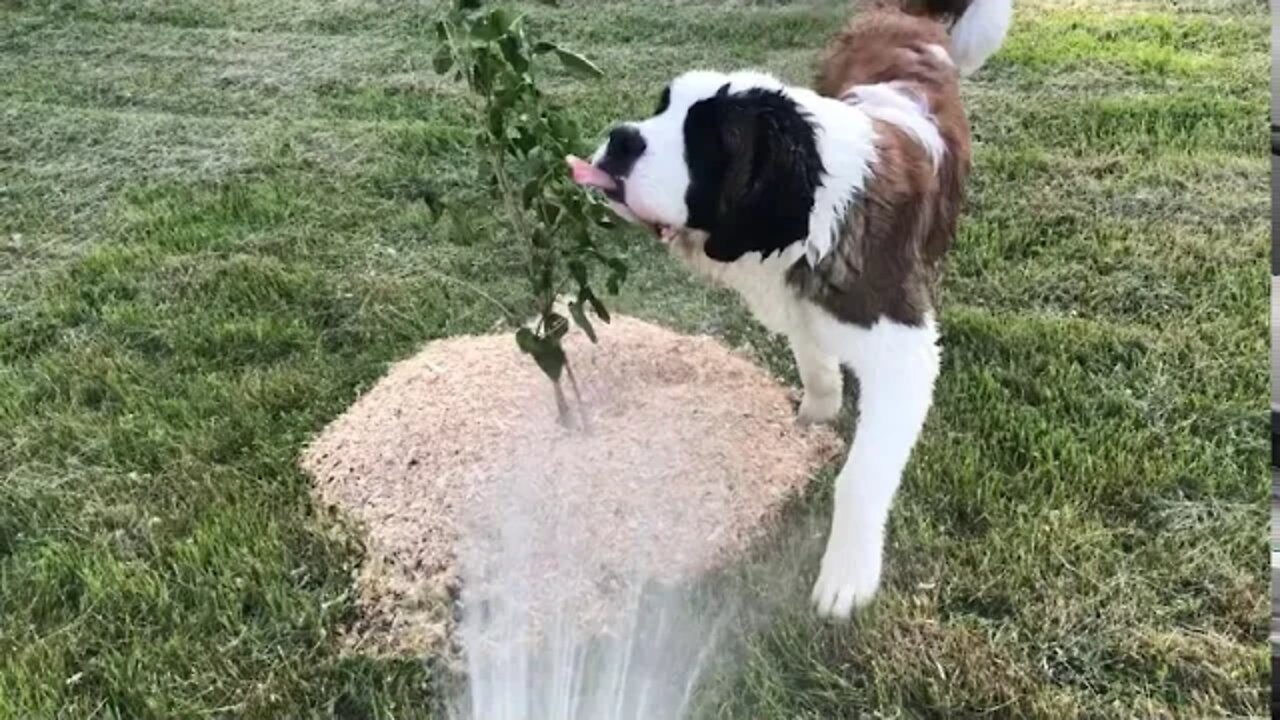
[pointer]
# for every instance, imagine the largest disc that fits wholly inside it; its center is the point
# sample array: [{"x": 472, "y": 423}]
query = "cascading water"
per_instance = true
[
  {"x": 597, "y": 643},
  {"x": 647, "y": 669}
]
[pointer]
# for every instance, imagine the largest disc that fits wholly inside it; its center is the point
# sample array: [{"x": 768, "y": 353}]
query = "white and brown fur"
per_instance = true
[{"x": 829, "y": 211}]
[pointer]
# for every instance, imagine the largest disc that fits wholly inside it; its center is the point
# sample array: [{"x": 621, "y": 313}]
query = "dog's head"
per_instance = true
[{"x": 733, "y": 156}]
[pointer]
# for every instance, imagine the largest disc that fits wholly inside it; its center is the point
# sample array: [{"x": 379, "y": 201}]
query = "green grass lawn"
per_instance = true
[{"x": 213, "y": 235}]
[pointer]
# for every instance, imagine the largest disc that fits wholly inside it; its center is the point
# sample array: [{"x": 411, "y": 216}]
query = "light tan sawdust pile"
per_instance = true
[{"x": 457, "y": 453}]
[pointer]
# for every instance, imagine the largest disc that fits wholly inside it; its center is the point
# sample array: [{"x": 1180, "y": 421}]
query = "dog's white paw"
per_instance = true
[
  {"x": 817, "y": 409},
  {"x": 849, "y": 578}
]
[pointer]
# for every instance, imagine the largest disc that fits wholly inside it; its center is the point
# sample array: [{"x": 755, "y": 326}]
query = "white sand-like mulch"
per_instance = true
[{"x": 456, "y": 453}]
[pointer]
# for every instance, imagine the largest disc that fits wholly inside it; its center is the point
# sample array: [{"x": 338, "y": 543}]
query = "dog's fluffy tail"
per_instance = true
[{"x": 978, "y": 28}]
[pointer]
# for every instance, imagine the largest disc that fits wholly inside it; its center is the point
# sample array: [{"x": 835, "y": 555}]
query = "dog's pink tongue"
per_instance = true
[{"x": 588, "y": 175}]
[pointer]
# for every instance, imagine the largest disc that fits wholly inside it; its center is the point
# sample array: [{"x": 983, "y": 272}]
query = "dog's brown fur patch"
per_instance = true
[{"x": 886, "y": 260}]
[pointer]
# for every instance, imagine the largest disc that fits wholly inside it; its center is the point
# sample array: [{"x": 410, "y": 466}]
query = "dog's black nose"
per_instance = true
[{"x": 626, "y": 144}]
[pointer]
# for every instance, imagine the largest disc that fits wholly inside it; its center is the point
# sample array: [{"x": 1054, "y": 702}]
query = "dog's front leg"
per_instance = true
[
  {"x": 896, "y": 366},
  {"x": 689, "y": 246},
  {"x": 819, "y": 377}
]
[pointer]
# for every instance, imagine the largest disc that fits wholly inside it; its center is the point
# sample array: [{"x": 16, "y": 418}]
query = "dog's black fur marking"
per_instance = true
[
  {"x": 626, "y": 145},
  {"x": 753, "y": 169},
  {"x": 664, "y": 101}
]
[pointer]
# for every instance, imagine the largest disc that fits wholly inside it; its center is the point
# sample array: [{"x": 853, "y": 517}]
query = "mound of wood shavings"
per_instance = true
[{"x": 456, "y": 454}]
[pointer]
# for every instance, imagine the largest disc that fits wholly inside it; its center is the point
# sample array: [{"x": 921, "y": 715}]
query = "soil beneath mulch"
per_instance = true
[{"x": 455, "y": 467}]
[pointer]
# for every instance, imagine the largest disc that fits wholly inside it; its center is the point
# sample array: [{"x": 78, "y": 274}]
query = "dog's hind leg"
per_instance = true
[{"x": 896, "y": 366}]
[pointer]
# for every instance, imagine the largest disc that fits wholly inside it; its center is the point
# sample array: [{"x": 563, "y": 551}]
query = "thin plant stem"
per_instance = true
[
  {"x": 577, "y": 395},
  {"x": 562, "y": 405}
]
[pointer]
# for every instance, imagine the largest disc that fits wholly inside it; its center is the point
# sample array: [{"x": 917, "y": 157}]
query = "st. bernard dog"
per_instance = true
[{"x": 829, "y": 210}]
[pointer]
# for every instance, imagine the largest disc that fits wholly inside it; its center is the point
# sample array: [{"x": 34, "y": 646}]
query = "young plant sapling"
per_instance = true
[{"x": 521, "y": 138}]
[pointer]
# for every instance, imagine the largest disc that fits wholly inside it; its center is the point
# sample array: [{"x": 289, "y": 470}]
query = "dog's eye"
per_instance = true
[{"x": 663, "y": 101}]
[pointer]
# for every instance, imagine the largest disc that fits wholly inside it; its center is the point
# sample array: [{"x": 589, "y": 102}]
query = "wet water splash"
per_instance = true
[
  {"x": 604, "y": 644},
  {"x": 520, "y": 668}
]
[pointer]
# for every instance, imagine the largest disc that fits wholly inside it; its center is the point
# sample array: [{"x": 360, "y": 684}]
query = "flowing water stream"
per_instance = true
[{"x": 599, "y": 643}]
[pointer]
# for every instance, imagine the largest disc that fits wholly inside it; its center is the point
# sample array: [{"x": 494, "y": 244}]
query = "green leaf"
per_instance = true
[
  {"x": 542, "y": 47},
  {"x": 572, "y": 198},
  {"x": 486, "y": 29},
  {"x": 585, "y": 294},
  {"x": 602, "y": 217},
  {"x": 484, "y": 70},
  {"x": 553, "y": 212},
  {"x": 539, "y": 239},
  {"x": 546, "y": 353},
  {"x": 577, "y": 64},
  {"x": 551, "y": 359},
  {"x": 527, "y": 341},
  {"x": 442, "y": 61},
  {"x": 580, "y": 317},
  {"x": 496, "y": 122},
  {"x": 502, "y": 19},
  {"x": 504, "y": 100},
  {"x": 617, "y": 276},
  {"x": 585, "y": 243},
  {"x": 468, "y": 4},
  {"x": 443, "y": 33},
  {"x": 529, "y": 193},
  {"x": 555, "y": 326},
  {"x": 510, "y": 47},
  {"x": 523, "y": 140},
  {"x": 498, "y": 22},
  {"x": 578, "y": 270}
]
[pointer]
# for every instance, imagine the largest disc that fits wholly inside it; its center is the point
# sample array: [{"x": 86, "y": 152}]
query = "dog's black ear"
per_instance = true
[{"x": 754, "y": 167}]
